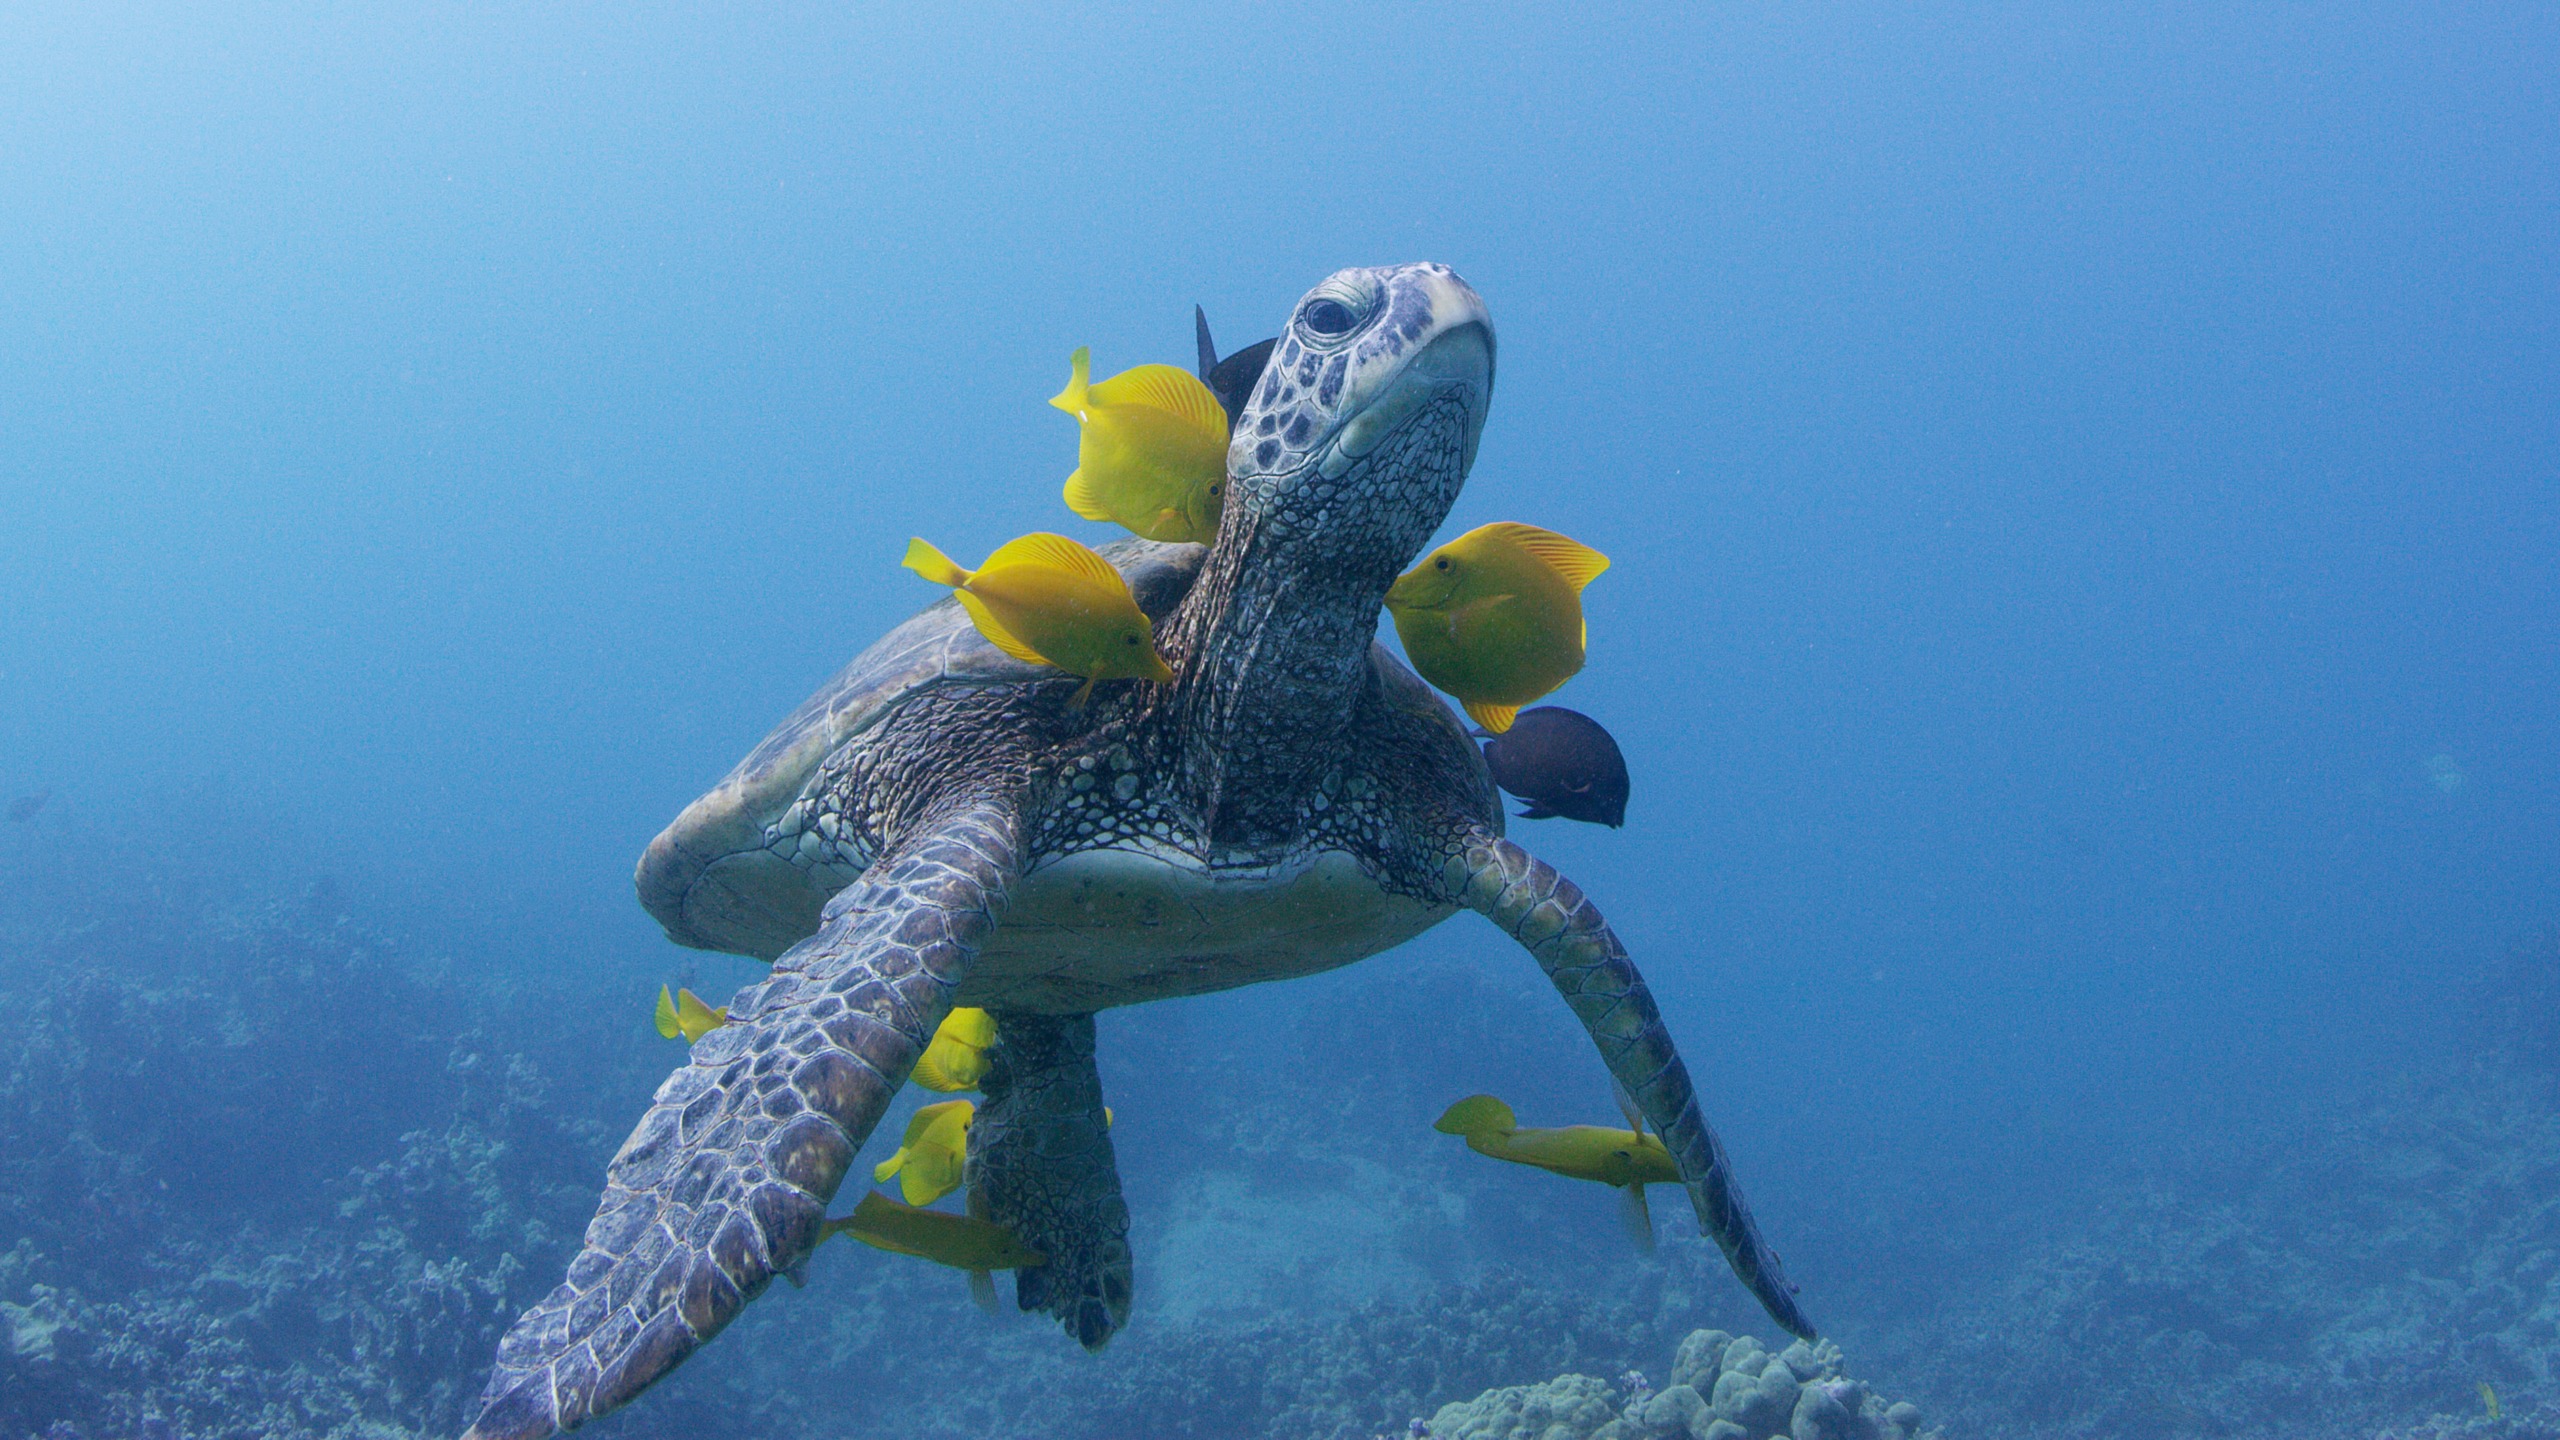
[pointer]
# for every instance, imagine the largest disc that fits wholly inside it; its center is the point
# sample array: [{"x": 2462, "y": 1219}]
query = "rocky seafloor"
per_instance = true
[{"x": 265, "y": 1172}]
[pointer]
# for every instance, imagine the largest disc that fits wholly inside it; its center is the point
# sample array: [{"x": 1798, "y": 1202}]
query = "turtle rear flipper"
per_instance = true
[{"x": 1041, "y": 1165}]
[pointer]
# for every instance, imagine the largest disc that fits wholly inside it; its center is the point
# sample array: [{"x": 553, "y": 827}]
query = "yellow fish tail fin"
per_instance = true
[
  {"x": 982, "y": 1286},
  {"x": 1085, "y": 498},
  {"x": 933, "y": 565},
  {"x": 1476, "y": 1115},
  {"x": 2489, "y": 1401},
  {"x": 1638, "y": 1219},
  {"x": 1494, "y": 718},
  {"x": 1169, "y": 388},
  {"x": 993, "y": 628},
  {"x": 1079, "y": 380},
  {"x": 1578, "y": 563},
  {"x": 695, "y": 1019},
  {"x": 667, "y": 1013},
  {"x": 887, "y": 1169}
]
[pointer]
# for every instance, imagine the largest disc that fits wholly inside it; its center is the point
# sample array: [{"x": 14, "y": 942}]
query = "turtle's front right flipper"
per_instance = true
[
  {"x": 727, "y": 1178},
  {"x": 1552, "y": 919},
  {"x": 1040, "y": 1164}
]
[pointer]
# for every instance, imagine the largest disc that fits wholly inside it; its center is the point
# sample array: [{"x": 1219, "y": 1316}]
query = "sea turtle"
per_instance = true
[{"x": 940, "y": 825}]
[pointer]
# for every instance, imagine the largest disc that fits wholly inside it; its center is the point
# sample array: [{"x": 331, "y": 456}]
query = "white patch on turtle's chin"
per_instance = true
[
  {"x": 1459, "y": 359},
  {"x": 1123, "y": 926}
]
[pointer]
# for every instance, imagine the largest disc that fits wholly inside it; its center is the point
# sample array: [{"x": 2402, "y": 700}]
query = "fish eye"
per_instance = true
[
  {"x": 1128, "y": 639},
  {"x": 1440, "y": 564}
]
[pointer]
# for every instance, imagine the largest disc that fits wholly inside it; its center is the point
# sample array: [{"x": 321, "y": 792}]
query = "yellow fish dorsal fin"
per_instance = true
[
  {"x": 993, "y": 628},
  {"x": 1057, "y": 552},
  {"x": 667, "y": 1013},
  {"x": 933, "y": 565},
  {"x": 1169, "y": 388},
  {"x": 1494, "y": 718},
  {"x": 1476, "y": 1115},
  {"x": 1578, "y": 563},
  {"x": 1079, "y": 381}
]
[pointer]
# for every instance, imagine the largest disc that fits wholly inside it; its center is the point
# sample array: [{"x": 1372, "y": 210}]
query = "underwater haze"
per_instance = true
[{"x": 2083, "y": 493}]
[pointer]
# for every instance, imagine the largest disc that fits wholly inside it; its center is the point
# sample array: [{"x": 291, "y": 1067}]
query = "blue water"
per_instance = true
[{"x": 2084, "y": 495}]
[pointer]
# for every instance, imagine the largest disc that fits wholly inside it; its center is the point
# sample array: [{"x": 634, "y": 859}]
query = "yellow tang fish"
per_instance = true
[
  {"x": 927, "y": 1165},
  {"x": 957, "y": 1057},
  {"x": 683, "y": 1013},
  {"x": 1153, "y": 452},
  {"x": 1048, "y": 600},
  {"x": 962, "y": 1242},
  {"x": 1494, "y": 617},
  {"x": 1629, "y": 1159}
]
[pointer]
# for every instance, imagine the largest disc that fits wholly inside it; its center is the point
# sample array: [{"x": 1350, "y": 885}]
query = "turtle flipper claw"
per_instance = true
[{"x": 726, "y": 1180}]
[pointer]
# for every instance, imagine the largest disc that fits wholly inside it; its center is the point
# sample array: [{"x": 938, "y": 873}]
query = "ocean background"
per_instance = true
[{"x": 2084, "y": 489}]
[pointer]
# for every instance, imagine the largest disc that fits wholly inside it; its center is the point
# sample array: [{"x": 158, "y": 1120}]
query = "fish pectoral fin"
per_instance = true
[
  {"x": 1627, "y": 1107},
  {"x": 798, "y": 1275},
  {"x": 1578, "y": 563},
  {"x": 1496, "y": 718},
  {"x": 982, "y": 1289},
  {"x": 1535, "y": 811},
  {"x": 667, "y": 1013},
  {"x": 992, "y": 628},
  {"x": 1638, "y": 1218},
  {"x": 1085, "y": 499}
]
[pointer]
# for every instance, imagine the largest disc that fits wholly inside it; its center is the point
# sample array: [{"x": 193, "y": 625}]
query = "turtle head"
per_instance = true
[{"x": 1354, "y": 444}]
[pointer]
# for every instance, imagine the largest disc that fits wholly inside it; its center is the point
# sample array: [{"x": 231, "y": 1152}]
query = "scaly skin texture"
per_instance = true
[
  {"x": 1285, "y": 743},
  {"x": 1040, "y": 1163},
  {"x": 1551, "y": 917},
  {"x": 723, "y": 1184}
]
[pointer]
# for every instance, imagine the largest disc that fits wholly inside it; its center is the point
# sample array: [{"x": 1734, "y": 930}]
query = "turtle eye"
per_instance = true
[{"x": 1327, "y": 316}]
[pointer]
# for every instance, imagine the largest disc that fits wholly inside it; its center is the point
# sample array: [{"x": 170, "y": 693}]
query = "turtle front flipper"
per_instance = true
[
  {"x": 1041, "y": 1164},
  {"x": 727, "y": 1178},
  {"x": 1560, "y": 927}
]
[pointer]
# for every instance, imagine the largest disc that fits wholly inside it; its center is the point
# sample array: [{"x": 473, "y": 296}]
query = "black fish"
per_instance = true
[
  {"x": 1562, "y": 763},
  {"x": 1232, "y": 379}
]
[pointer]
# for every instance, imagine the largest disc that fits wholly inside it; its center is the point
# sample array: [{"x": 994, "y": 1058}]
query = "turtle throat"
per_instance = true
[{"x": 1272, "y": 643}]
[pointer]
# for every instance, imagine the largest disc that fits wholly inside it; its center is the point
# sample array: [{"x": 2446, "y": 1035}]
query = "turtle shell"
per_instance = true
[{"x": 719, "y": 879}]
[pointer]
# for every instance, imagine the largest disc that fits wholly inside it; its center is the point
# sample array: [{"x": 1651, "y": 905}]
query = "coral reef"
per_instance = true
[
  {"x": 247, "y": 1190},
  {"x": 1723, "y": 1387},
  {"x": 265, "y": 1172},
  {"x": 2373, "y": 1259}
]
